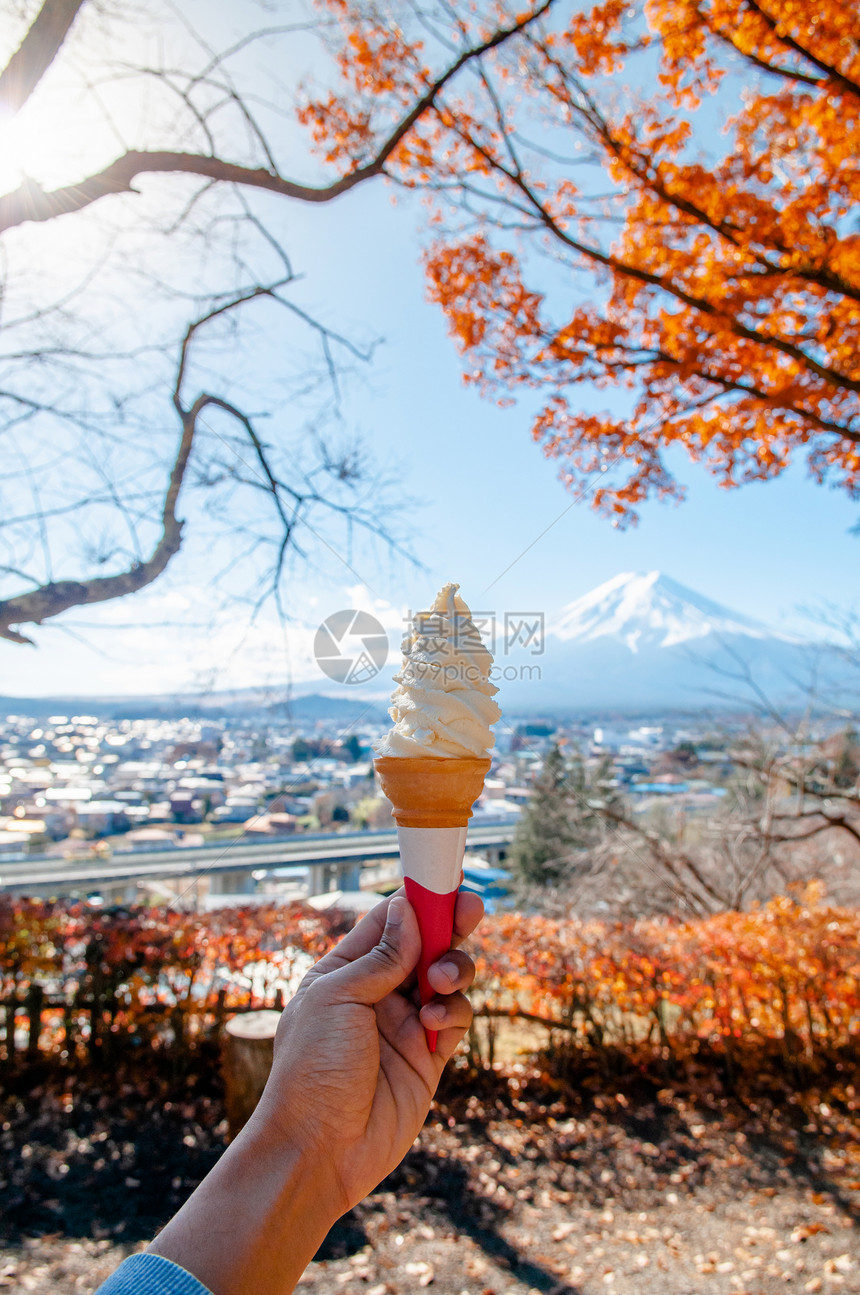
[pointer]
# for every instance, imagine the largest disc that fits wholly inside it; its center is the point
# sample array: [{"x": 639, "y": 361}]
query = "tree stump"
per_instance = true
[{"x": 248, "y": 1048}]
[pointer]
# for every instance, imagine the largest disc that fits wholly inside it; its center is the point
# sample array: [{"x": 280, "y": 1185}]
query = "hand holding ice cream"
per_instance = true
[
  {"x": 352, "y": 1081},
  {"x": 433, "y": 761},
  {"x": 349, "y": 1090}
]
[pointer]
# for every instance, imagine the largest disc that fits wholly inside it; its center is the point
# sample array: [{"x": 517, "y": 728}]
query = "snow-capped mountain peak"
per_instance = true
[{"x": 650, "y": 610}]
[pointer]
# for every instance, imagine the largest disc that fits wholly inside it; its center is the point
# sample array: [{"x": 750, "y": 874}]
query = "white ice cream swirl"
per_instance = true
[{"x": 443, "y": 704}]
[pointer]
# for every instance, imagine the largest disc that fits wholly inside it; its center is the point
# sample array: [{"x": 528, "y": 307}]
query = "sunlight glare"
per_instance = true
[{"x": 48, "y": 143}]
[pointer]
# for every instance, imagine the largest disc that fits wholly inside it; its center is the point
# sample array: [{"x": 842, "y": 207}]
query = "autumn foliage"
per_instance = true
[
  {"x": 107, "y": 982},
  {"x": 779, "y": 984},
  {"x": 649, "y": 199}
]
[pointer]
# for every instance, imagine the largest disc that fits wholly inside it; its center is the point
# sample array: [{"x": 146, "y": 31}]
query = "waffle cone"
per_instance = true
[{"x": 430, "y": 791}]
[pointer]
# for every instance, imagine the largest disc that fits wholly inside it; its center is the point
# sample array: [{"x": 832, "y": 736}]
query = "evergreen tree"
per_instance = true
[
  {"x": 846, "y": 766},
  {"x": 563, "y": 818}
]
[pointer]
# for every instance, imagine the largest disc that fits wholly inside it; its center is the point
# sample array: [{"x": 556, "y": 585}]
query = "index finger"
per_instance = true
[
  {"x": 361, "y": 939},
  {"x": 468, "y": 912}
]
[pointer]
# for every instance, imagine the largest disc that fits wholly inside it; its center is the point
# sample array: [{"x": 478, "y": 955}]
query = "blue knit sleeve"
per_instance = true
[{"x": 146, "y": 1274}]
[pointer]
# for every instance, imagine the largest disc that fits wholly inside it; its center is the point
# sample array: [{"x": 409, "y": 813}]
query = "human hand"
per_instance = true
[
  {"x": 353, "y": 1078},
  {"x": 350, "y": 1087}
]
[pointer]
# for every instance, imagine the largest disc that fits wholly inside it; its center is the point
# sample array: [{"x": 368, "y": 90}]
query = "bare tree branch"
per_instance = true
[
  {"x": 31, "y": 203},
  {"x": 93, "y": 462},
  {"x": 38, "y": 605},
  {"x": 36, "y": 52}
]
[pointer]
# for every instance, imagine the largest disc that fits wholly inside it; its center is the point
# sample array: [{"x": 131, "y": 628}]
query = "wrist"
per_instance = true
[
  {"x": 296, "y": 1165},
  {"x": 258, "y": 1219}
]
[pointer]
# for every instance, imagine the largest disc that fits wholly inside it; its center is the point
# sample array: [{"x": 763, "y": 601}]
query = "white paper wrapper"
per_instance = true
[{"x": 433, "y": 856}]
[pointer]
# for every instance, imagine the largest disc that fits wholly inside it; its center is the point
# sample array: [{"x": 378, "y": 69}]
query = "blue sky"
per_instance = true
[{"x": 483, "y": 496}]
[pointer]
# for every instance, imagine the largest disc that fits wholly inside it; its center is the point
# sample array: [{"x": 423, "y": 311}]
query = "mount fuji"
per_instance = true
[{"x": 645, "y": 642}]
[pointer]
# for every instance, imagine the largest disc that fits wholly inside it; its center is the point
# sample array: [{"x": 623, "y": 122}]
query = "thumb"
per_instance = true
[{"x": 369, "y": 978}]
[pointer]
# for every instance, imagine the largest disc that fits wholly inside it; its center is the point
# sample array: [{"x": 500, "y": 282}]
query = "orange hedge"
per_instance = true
[{"x": 785, "y": 976}]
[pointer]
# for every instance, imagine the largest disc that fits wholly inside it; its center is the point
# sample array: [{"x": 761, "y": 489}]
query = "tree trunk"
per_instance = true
[
  {"x": 247, "y": 1051},
  {"x": 33, "y": 1008}
]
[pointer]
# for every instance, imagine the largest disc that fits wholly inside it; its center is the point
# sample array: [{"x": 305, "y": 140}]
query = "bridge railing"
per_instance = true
[{"x": 298, "y": 841}]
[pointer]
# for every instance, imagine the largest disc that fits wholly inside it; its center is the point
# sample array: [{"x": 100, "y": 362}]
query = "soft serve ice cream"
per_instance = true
[
  {"x": 433, "y": 761},
  {"x": 443, "y": 705}
]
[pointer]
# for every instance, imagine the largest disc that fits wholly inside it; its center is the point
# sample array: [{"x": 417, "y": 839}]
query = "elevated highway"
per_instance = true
[{"x": 334, "y": 861}]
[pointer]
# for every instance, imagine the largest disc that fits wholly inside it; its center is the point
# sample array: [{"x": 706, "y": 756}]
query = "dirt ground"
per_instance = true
[{"x": 515, "y": 1186}]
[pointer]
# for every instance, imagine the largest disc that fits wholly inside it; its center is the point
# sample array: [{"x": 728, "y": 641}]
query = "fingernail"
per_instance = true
[
  {"x": 395, "y": 913},
  {"x": 434, "y": 1015},
  {"x": 449, "y": 969}
]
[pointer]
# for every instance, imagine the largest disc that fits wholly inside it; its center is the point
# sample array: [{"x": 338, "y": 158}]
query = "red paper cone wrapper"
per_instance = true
[
  {"x": 432, "y": 859},
  {"x": 432, "y": 799}
]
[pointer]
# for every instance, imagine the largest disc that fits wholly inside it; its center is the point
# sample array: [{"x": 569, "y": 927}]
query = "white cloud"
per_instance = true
[{"x": 178, "y": 638}]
